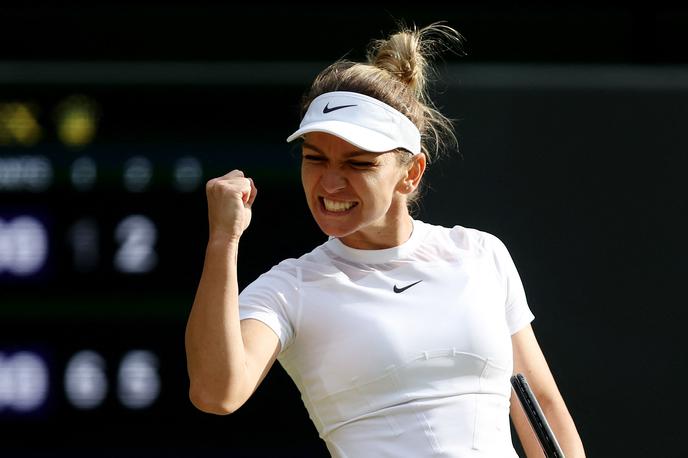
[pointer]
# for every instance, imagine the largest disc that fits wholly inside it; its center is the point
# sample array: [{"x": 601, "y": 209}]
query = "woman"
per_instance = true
[{"x": 400, "y": 335}]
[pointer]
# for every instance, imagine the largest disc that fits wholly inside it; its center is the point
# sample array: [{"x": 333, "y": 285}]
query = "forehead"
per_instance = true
[
  {"x": 329, "y": 144},
  {"x": 325, "y": 141}
]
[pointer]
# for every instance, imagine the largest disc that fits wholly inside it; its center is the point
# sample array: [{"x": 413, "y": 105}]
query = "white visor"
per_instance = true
[{"x": 363, "y": 121}]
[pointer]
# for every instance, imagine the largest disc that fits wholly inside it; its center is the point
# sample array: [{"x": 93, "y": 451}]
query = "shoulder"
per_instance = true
[
  {"x": 487, "y": 246},
  {"x": 289, "y": 271},
  {"x": 464, "y": 239}
]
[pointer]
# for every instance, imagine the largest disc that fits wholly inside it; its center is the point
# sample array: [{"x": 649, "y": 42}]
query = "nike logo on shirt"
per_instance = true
[
  {"x": 401, "y": 290},
  {"x": 327, "y": 108}
]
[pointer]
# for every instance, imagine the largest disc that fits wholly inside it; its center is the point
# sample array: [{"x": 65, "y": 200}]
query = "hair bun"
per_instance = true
[
  {"x": 406, "y": 53},
  {"x": 401, "y": 56}
]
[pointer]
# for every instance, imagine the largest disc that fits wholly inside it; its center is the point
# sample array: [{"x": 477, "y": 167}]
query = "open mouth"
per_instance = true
[{"x": 337, "y": 206}]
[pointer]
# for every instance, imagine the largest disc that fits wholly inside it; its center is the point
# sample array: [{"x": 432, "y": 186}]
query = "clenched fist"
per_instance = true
[{"x": 229, "y": 204}]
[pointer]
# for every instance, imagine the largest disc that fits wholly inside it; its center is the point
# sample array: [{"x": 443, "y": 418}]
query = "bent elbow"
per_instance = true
[{"x": 216, "y": 405}]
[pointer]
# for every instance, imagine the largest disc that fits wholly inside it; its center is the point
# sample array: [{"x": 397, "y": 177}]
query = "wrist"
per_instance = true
[{"x": 224, "y": 239}]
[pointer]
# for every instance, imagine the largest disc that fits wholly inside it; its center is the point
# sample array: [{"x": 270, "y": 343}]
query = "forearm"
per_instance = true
[
  {"x": 528, "y": 439},
  {"x": 530, "y": 361},
  {"x": 216, "y": 357},
  {"x": 563, "y": 426},
  {"x": 560, "y": 421}
]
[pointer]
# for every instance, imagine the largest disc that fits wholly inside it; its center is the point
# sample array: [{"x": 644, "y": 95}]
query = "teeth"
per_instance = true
[{"x": 336, "y": 206}]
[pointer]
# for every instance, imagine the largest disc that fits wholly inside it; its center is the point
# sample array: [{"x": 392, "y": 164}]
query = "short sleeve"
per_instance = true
[
  {"x": 518, "y": 313},
  {"x": 272, "y": 299}
]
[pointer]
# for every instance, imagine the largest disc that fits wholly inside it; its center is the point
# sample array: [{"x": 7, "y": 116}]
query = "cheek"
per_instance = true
[
  {"x": 309, "y": 179},
  {"x": 306, "y": 177},
  {"x": 380, "y": 189},
  {"x": 387, "y": 183}
]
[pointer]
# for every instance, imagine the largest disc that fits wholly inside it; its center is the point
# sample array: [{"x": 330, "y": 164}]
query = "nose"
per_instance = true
[{"x": 333, "y": 181}]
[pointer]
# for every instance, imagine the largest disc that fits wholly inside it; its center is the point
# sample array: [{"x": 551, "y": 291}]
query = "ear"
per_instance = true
[{"x": 414, "y": 172}]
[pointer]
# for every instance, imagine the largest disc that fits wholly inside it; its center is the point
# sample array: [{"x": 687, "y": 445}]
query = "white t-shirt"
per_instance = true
[{"x": 401, "y": 352}]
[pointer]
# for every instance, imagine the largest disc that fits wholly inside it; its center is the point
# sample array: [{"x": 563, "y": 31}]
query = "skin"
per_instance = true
[
  {"x": 373, "y": 183},
  {"x": 530, "y": 361},
  {"x": 359, "y": 197}
]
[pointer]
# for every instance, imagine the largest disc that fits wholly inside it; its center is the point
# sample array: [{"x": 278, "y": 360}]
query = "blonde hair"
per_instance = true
[{"x": 397, "y": 73}]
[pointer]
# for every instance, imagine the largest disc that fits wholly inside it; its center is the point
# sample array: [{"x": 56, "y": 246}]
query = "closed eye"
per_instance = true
[
  {"x": 362, "y": 164},
  {"x": 313, "y": 158}
]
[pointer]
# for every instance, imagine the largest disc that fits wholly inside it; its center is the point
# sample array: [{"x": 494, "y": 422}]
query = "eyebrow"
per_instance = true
[{"x": 347, "y": 155}]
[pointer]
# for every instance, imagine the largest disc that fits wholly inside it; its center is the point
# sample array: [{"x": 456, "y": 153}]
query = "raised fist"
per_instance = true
[{"x": 229, "y": 203}]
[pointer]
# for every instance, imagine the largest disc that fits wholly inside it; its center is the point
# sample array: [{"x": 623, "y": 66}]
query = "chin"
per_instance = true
[{"x": 334, "y": 230}]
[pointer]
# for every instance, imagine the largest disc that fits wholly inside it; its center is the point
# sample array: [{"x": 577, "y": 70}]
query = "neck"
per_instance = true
[{"x": 395, "y": 231}]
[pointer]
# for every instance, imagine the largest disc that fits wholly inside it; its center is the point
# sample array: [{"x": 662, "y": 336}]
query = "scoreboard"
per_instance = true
[{"x": 103, "y": 227}]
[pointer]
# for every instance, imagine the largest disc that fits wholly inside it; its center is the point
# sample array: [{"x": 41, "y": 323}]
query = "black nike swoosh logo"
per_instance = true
[
  {"x": 401, "y": 290},
  {"x": 327, "y": 108}
]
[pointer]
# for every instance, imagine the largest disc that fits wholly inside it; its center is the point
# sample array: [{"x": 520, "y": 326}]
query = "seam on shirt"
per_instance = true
[
  {"x": 429, "y": 433},
  {"x": 391, "y": 422},
  {"x": 305, "y": 394},
  {"x": 338, "y": 452},
  {"x": 311, "y": 407},
  {"x": 299, "y": 306},
  {"x": 476, "y": 424}
]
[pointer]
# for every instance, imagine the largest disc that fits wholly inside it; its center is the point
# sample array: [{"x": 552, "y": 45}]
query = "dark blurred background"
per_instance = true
[{"x": 571, "y": 121}]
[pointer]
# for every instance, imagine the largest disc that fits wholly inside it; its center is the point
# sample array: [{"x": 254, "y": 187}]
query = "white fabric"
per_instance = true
[
  {"x": 363, "y": 121},
  {"x": 420, "y": 373}
]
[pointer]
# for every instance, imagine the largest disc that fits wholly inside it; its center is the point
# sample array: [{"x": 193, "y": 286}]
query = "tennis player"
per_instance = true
[{"x": 401, "y": 335}]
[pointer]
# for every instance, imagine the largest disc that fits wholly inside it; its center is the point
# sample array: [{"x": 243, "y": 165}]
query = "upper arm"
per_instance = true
[
  {"x": 262, "y": 346},
  {"x": 265, "y": 309}
]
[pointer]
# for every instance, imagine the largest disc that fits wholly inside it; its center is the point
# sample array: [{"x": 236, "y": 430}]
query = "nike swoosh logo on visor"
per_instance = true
[
  {"x": 401, "y": 290},
  {"x": 327, "y": 108}
]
